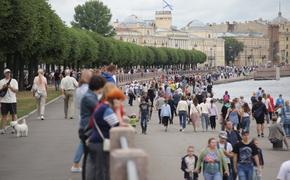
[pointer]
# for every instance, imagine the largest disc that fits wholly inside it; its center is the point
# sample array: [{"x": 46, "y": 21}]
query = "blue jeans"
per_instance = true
[
  {"x": 182, "y": 119},
  {"x": 287, "y": 129},
  {"x": 245, "y": 171},
  {"x": 144, "y": 122},
  {"x": 204, "y": 121},
  {"x": 246, "y": 123},
  {"x": 79, "y": 153},
  {"x": 215, "y": 176}
]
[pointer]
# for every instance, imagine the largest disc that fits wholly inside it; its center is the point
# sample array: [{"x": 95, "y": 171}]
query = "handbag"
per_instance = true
[
  {"x": 3, "y": 91},
  {"x": 106, "y": 141}
]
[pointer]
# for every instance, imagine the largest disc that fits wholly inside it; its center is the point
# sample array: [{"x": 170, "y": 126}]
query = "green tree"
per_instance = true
[
  {"x": 232, "y": 49},
  {"x": 94, "y": 16}
]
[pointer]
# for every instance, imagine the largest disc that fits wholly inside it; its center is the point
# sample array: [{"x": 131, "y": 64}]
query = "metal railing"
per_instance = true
[{"x": 131, "y": 166}]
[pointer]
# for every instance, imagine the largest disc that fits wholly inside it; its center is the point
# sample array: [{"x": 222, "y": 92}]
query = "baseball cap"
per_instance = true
[
  {"x": 6, "y": 71},
  {"x": 223, "y": 135}
]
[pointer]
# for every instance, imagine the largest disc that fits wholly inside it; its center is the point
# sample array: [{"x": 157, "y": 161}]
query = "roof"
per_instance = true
[
  {"x": 279, "y": 19},
  {"x": 240, "y": 34}
]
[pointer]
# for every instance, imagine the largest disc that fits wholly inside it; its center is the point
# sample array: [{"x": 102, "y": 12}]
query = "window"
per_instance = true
[
  {"x": 208, "y": 35},
  {"x": 286, "y": 38}
]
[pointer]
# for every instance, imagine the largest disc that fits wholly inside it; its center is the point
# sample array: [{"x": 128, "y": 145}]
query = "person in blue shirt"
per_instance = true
[
  {"x": 279, "y": 101},
  {"x": 165, "y": 114},
  {"x": 109, "y": 75},
  {"x": 286, "y": 118}
]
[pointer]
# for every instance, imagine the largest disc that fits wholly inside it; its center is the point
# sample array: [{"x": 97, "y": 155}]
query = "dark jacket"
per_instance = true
[{"x": 184, "y": 167}]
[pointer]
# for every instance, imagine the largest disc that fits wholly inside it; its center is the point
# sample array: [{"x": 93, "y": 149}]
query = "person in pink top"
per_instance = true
[
  {"x": 39, "y": 91},
  {"x": 270, "y": 106}
]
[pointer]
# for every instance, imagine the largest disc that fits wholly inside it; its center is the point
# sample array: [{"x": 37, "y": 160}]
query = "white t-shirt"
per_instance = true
[
  {"x": 190, "y": 161},
  {"x": 10, "y": 96},
  {"x": 284, "y": 172},
  {"x": 229, "y": 149}
]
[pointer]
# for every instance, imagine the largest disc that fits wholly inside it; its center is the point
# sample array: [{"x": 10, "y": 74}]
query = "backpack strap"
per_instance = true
[{"x": 91, "y": 121}]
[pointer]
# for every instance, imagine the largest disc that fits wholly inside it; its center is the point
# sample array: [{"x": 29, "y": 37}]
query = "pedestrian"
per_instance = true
[
  {"x": 131, "y": 95},
  {"x": 213, "y": 114},
  {"x": 279, "y": 101},
  {"x": 270, "y": 106},
  {"x": 195, "y": 114},
  {"x": 254, "y": 99},
  {"x": 172, "y": 107},
  {"x": 286, "y": 118},
  {"x": 284, "y": 170},
  {"x": 258, "y": 175},
  {"x": 85, "y": 79},
  {"x": 165, "y": 114},
  {"x": 244, "y": 153},
  {"x": 57, "y": 79},
  {"x": 106, "y": 116},
  {"x": 8, "y": 90},
  {"x": 226, "y": 97},
  {"x": 144, "y": 108},
  {"x": 233, "y": 115},
  {"x": 224, "y": 112},
  {"x": 227, "y": 149},
  {"x": 68, "y": 85},
  {"x": 188, "y": 164},
  {"x": 182, "y": 109},
  {"x": 259, "y": 110},
  {"x": 159, "y": 103},
  {"x": 204, "y": 115},
  {"x": 277, "y": 135},
  {"x": 245, "y": 114},
  {"x": 39, "y": 90},
  {"x": 212, "y": 162},
  {"x": 109, "y": 73},
  {"x": 88, "y": 104}
]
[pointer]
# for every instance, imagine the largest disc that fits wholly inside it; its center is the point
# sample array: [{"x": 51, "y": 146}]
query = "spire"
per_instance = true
[{"x": 280, "y": 13}]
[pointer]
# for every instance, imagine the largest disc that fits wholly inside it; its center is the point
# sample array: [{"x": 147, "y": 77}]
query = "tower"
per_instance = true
[{"x": 163, "y": 20}]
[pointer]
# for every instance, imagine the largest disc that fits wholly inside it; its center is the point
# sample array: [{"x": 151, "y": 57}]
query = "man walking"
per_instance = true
[
  {"x": 68, "y": 86},
  {"x": 8, "y": 88}
]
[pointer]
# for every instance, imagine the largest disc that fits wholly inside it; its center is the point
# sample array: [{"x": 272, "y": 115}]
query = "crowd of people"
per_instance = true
[{"x": 190, "y": 98}]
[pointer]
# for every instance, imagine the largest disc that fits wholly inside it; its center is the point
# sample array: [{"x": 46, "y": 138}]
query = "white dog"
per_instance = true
[{"x": 20, "y": 128}]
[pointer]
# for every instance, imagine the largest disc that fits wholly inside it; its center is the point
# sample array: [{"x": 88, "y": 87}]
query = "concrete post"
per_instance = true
[
  {"x": 119, "y": 159},
  {"x": 117, "y": 132},
  {"x": 277, "y": 73}
]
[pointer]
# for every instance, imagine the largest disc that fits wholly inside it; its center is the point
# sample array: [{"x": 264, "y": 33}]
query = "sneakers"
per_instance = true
[
  {"x": 42, "y": 117},
  {"x": 2, "y": 131},
  {"x": 76, "y": 170}
]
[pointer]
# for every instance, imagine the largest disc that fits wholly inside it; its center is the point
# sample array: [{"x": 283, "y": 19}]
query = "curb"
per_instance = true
[{"x": 32, "y": 112}]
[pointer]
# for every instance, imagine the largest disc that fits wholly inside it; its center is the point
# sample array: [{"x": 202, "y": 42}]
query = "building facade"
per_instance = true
[{"x": 161, "y": 33}]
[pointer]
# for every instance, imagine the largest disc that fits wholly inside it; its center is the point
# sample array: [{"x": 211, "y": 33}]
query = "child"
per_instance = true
[
  {"x": 257, "y": 176},
  {"x": 133, "y": 120},
  {"x": 188, "y": 164}
]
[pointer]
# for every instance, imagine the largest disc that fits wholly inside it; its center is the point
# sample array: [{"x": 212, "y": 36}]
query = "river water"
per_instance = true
[{"x": 246, "y": 88}]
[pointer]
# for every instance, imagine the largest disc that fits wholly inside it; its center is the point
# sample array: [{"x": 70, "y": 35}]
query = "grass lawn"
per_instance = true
[{"x": 26, "y": 103}]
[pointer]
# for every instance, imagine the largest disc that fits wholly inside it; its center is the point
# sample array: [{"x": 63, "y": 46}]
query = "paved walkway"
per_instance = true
[{"x": 48, "y": 151}]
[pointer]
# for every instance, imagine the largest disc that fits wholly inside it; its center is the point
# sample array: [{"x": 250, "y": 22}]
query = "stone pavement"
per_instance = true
[{"x": 48, "y": 151}]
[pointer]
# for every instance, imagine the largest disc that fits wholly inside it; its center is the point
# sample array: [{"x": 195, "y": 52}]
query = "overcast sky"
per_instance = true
[{"x": 207, "y": 11}]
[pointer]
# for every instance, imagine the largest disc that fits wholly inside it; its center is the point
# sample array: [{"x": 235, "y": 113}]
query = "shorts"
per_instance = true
[
  {"x": 8, "y": 108},
  {"x": 260, "y": 120}
]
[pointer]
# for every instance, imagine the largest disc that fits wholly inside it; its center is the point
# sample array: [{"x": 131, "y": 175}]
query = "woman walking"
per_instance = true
[
  {"x": 194, "y": 114},
  {"x": 212, "y": 162},
  {"x": 233, "y": 115},
  {"x": 213, "y": 112},
  {"x": 40, "y": 92},
  {"x": 259, "y": 110},
  {"x": 245, "y": 113}
]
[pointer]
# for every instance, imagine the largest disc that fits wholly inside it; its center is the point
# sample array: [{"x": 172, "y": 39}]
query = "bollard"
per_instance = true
[
  {"x": 119, "y": 159},
  {"x": 117, "y": 132}
]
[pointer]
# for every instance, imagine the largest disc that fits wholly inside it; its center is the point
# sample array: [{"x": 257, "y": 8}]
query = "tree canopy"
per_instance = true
[
  {"x": 94, "y": 16},
  {"x": 32, "y": 34},
  {"x": 232, "y": 49}
]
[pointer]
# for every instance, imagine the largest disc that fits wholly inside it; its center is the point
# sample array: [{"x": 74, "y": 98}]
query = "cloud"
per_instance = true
[{"x": 184, "y": 10}]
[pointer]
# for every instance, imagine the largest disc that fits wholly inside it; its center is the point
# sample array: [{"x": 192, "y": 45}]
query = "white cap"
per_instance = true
[{"x": 6, "y": 71}]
